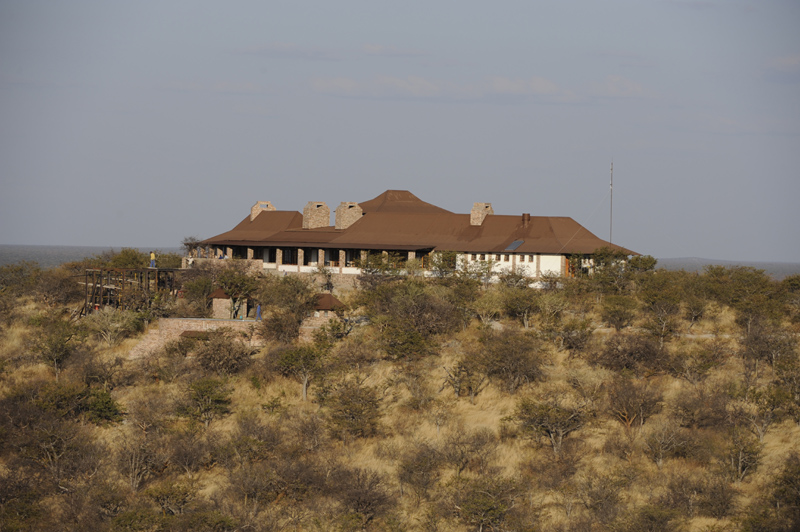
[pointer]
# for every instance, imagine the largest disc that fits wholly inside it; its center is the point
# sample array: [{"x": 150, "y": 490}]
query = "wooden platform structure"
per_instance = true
[{"x": 113, "y": 286}]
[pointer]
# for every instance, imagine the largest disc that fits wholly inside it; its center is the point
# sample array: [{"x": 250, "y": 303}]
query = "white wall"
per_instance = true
[{"x": 551, "y": 264}]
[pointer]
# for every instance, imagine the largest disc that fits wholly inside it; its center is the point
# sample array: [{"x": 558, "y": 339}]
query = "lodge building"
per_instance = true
[{"x": 403, "y": 226}]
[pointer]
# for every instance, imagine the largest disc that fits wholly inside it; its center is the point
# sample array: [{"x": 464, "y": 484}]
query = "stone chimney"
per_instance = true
[
  {"x": 479, "y": 212},
  {"x": 526, "y": 219},
  {"x": 316, "y": 214},
  {"x": 348, "y": 213},
  {"x": 260, "y": 206}
]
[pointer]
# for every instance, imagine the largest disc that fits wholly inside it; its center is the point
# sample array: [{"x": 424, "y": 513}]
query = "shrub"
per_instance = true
[
  {"x": 101, "y": 408},
  {"x": 207, "y": 399},
  {"x": 112, "y": 325},
  {"x": 632, "y": 402},
  {"x": 618, "y": 311},
  {"x": 575, "y": 334},
  {"x": 302, "y": 362},
  {"x": 553, "y": 418},
  {"x": 224, "y": 355},
  {"x": 510, "y": 357},
  {"x": 58, "y": 287},
  {"x": 600, "y": 493},
  {"x": 56, "y": 341},
  {"x": 633, "y": 353},
  {"x": 649, "y": 518},
  {"x": 739, "y": 454},
  {"x": 485, "y": 502},
  {"x": 282, "y": 325},
  {"x": 419, "y": 469},
  {"x": 171, "y": 498},
  {"x": 464, "y": 449},
  {"x": 700, "y": 408},
  {"x": 362, "y": 492},
  {"x": 353, "y": 410}
]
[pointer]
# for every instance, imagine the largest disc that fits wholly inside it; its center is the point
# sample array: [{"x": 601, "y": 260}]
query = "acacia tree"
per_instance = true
[
  {"x": 238, "y": 283},
  {"x": 632, "y": 402},
  {"x": 761, "y": 410},
  {"x": 140, "y": 455},
  {"x": 509, "y": 357},
  {"x": 207, "y": 399},
  {"x": 553, "y": 418},
  {"x": 520, "y": 302},
  {"x": 111, "y": 324},
  {"x": 609, "y": 272},
  {"x": 618, "y": 311},
  {"x": 485, "y": 502},
  {"x": 302, "y": 362},
  {"x": 488, "y": 305},
  {"x": 661, "y": 295},
  {"x": 287, "y": 301},
  {"x": 740, "y": 454},
  {"x": 56, "y": 341},
  {"x": 749, "y": 291},
  {"x": 353, "y": 410}
]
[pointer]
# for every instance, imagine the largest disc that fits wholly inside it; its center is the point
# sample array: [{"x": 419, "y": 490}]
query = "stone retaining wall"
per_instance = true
[{"x": 165, "y": 330}]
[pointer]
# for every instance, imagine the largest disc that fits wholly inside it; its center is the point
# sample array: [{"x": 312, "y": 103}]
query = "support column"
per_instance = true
[
  {"x": 538, "y": 265},
  {"x": 229, "y": 252},
  {"x": 342, "y": 259},
  {"x": 249, "y": 253},
  {"x": 301, "y": 255},
  {"x": 320, "y": 258},
  {"x": 278, "y": 257}
]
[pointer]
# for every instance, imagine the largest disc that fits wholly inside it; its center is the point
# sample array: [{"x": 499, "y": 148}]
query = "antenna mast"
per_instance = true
[{"x": 611, "y": 215}]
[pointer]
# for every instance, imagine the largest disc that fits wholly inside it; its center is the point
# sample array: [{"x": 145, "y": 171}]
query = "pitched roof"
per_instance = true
[
  {"x": 263, "y": 228},
  {"x": 398, "y": 220},
  {"x": 327, "y": 301},
  {"x": 400, "y": 201},
  {"x": 219, "y": 293}
]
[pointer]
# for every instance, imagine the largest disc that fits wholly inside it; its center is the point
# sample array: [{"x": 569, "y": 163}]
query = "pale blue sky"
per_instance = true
[{"x": 140, "y": 123}]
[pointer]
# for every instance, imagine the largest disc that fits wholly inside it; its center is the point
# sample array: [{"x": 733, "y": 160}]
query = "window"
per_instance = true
[
  {"x": 483, "y": 256},
  {"x": 497, "y": 257},
  {"x": 505, "y": 258},
  {"x": 474, "y": 256}
]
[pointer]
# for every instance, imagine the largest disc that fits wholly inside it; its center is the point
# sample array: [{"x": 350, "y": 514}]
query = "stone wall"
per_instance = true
[
  {"x": 165, "y": 330},
  {"x": 161, "y": 332}
]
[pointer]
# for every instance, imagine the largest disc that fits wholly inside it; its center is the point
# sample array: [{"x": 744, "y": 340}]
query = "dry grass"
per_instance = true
[{"x": 413, "y": 402}]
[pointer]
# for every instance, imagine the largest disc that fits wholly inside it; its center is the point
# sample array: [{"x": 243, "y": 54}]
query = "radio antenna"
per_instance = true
[{"x": 611, "y": 214}]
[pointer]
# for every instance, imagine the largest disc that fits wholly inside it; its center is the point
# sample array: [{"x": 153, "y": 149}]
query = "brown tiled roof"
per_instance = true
[
  {"x": 326, "y": 301},
  {"x": 398, "y": 220},
  {"x": 399, "y": 201},
  {"x": 263, "y": 228},
  {"x": 219, "y": 293}
]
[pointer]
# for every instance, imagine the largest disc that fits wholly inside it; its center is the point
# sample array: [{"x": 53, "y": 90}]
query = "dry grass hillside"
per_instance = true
[{"x": 633, "y": 399}]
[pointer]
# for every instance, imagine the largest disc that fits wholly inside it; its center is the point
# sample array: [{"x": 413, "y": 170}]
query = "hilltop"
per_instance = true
[{"x": 631, "y": 399}]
